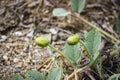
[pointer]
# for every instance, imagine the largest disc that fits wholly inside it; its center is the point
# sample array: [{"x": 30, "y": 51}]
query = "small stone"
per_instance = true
[
  {"x": 2, "y": 10},
  {"x": 18, "y": 69},
  {"x": 30, "y": 34},
  {"x": 27, "y": 60},
  {"x": 3, "y": 38},
  {"x": 15, "y": 60},
  {"x": 19, "y": 64},
  {"x": 18, "y": 33},
  {"x": 55, "y": 37},
  {"x": 33, "y": 61},
  {"x": 36, "y": 51},
  {"x": 33, "y": 3},
  {"x": 53, "y": 31},
  {"x": 45, "y": 19},
  {"x": 5, "y": 57}
]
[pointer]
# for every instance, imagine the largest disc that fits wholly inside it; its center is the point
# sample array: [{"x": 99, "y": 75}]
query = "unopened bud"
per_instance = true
[
  {"x": 72, "y": 40},
  {"x": 42, "y": 41}
]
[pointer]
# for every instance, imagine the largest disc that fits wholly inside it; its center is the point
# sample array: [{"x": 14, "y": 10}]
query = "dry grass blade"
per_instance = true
[
  {"x": 47, "y": 61},
  {"x": 76, "y": 75},
  {"x": 78, "y": 70},
  {"x": 11, "y": 44}
]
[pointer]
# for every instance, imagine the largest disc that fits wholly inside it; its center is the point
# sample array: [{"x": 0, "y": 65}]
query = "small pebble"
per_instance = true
[
  {"x": 27, "y": 60},
  {"x": 34, "y": 61},
  {"x": 30, "y": 34},
  {"x": 33, "y": 3},
  {"x": 55, "y": 37},
  {"x": 15, "y": 60},
  {"x": 18, "y": 33},
  {"x": 36, "y": 51},
  {"x": 18, "y": 69},
  {"x": 20, "y": 64},
  {"x": 45, "y": 19},
  {"x": 2, "y": 10},
  {"x": 5, "y": 57},
  {"x": 53, "y": 31},
  {"x": 3, "y": 38}
]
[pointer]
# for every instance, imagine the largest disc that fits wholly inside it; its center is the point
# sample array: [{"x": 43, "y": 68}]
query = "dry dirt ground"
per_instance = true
[{"x": 21, "y": 21}]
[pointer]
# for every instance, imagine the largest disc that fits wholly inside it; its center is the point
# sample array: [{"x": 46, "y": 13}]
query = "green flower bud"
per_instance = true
[
  {"x": 42, "y": 41},
  {"x": 72, "y": 40}
]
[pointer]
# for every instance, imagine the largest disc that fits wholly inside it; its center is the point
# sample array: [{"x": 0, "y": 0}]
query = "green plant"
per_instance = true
[
  {"x": 17, "y": 77},
  {"x": 72, "y": 50},
  {"x": 72, "y": 54},
  {"x": 118, "y": 23},
  {"x": 91, "y": 48},
  {"x": 114, "y": 77},
  {"x": 78, "y": 5},
  {"x": 54, "y": 74}
]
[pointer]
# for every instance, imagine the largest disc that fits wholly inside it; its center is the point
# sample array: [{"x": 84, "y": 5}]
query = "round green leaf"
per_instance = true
[
  {"x": 93, "y": 41},
  {"x": 72, "y": 52},
  {"x": 17, "y": 77},
  {"x": 34, "y": 75},
  {"x": 55, "y": 74},
  {"x": 78, "y": 5},
  {"x": 60, "y": 12}
]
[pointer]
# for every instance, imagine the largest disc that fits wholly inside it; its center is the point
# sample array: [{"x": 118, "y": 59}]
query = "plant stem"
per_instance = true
[
  {"x": 94, "y": 59},
  {"x": 78, "y": 70},
  {"x": 88, "y": 54},
  {"x": 61, "y": 53},
  {"x": 89, "y": 75},
  {"x": 76, "y": 75},
  {"x": 99, "y": 29}
]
